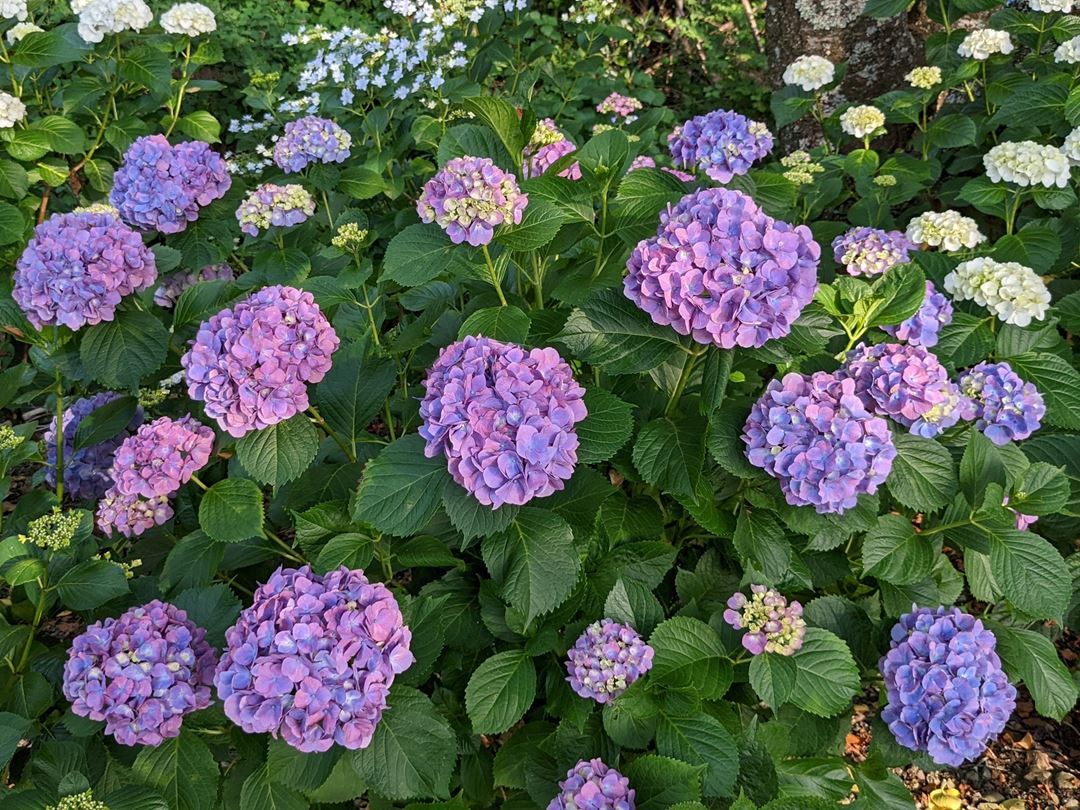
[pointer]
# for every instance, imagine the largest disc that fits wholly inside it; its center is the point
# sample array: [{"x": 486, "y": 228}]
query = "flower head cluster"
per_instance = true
[
  {"x": 140, "y": 673},
  {"x": 1004, "y": 407},
  {"x": 1071, "y": 147},
  {"x": 646, "y": 162},
  {"x": 12, "y": 110},
  {"x": 13, "y": 9},
  {"x": 250, "y": 364},
  {"x": 469, "y": 197},
  {"x": 162, "y": 187},
  {"x": 504, "y": 418},
  {"x": 312, "y": 660},
  {"x": 862, "y": 120},
  {"x": 947, "y": 693},
  {"x": 546, "y": 146},
  {"x": 100, "y": 17},
  {"x": 771, "y": 623},
  {"x": 9, "y": 439},
  {"x": 167, "y": 294},
  {"x": 189, "y": 19},
  {"x": 20, "y": 30},
  {"x": 809, "y": 72},
  {"x": 926, "y": 77},
  {"x": 922, "y": 328},
  {"x": 131, "y": 515},
  {"x": 86, "y": 470},
  {"x": 907, "y": 384},
  {"x": 1068, "y": 52},
  {"x": 78, "y": 801},
  {"x": 1062, "y": 6},
  {"x": 871, "y": 251},
  {"x": 949, "y": 230},
  {"x": 984, "y": 43},
  {"x": 310, "y": 140},
  {"x": 54, "y": 530},
  {"x": 723, "y": 271},
  {"x": 721, "y": 143},
  {"x": 619, "y": 106},
  {"x": 885, "y": 180},
  {"x": 349, "y": 238},
  {"x": 815, "y": 435},
  {"x": 276, "y": 206},
  {"x": 587, "y": 12},
  {"x": 592, "y": 785},
  {"x": 1027, "y": 163},
  {"x": 606, "y": 659},
  {"x": 1012, "y": 291},
  {"x": 801, "y": 168}
]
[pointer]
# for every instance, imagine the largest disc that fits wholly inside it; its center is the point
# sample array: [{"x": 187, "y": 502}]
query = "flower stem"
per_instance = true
[
  {"x": 494, "y": 276},
  {"x": 684, "y": 378},
  {"x": 317, "y": 418}
]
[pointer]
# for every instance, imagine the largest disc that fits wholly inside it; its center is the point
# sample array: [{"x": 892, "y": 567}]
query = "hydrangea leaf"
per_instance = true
[
  {"x": 183, "y": 769},
  {"x": 400, "y": 490},
  {"x": 500, "y": 691},
  {"x": 232, "y": 510},
  {"x": 689, "y": 653},
  {"x": 1031, "y": 573},
  {"x": 827, "y": 677},
  {"x": 701, "y": 740},
  {"x": 773, "y": 677},
  {"x": 281, "y": 452},
  {"x": 892, "y": 551},
  {"x": 262, "y": 792},
  {"x": 661, "y": 781},
  {"x": 670, "y": 453},
  {"x": 1031, "y": 657},
  {"x": 122, "y": 352}
]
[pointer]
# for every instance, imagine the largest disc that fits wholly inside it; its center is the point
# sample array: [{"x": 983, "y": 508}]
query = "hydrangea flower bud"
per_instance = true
[
  {"x": 810, "y": 72},
  {"x": 547, "y": 145},
  {"x": 161, "y": 457},
  {"x": 173, "y": 285},
  {"x": 1012, "y": 291},
  {"x": 54, "y": 530},
  {"x": 949, "y": 230},
  {"x": 470, "y": 197},
  {"x": 871, "y": 251},
  {"x": 313, "y": 659},
  {"x": 723, "y": 271},
  {"x": 79, "y": 801},
  {"x": 504, "y": 418},
  {"x": 984, "y": 43},
  {"x": 9, "y": 439},
  {"x": 1027, "y": 163},
  {"x": 862, "y": 121},
  {"x": 922, "y": 328},
  {"x": 722, "y": 143},
  {"x": 619, "y": 106},
  {"x": 140, "y": 673},
  {"x": 1004, "y": 407},
  {"x": 189, "y": 19},
  {"x": 592, "y": 785},
  {"x": 606, "y": 659},
  {"x": 947, "y": 693},
  {"x": 271, "y": 206},
  {"x": 311, "y": 140},
  {"x": 771, "y": 623}
]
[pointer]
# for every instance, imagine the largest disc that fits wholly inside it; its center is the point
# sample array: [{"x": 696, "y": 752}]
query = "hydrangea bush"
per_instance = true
[{"x": 446, "y": 431}]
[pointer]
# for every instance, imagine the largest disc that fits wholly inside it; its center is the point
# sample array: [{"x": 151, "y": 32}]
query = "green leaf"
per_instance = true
[
  {"x": 13, "y": 180},
  {"x": 472, "y": 518},
  {"x": 232, "y": 510},
  {"x": 12, "y": 224},
  {"x": 91, "y": 584},
  {"x": 64, "y": 136},
  {"x": 508, "y": 323},
  {"x": 213, "y": 608},
  {"x": 540, "y": 221},
  {"x": 400, "y": 490},
  {"x": 701, "y": 740},
  {"x": 670, "y": 453},
  {"x": 1057, "y": 381},
  {"x": 892, "y": 551},
  {"x": 361, "y": 183},
  {"x": 353, "y": 391},
  {"x": 279, "y": 453},
  {"x": 1042, "y": 490},
  {"x": 760, "y": 542},
  {"x": 965, "y": 341},
  {"x": 1035, "y": 104},
  {"x": 882, "y": 9},
  {"x": 120, "y": 353},
  {"x": 501, "y": 117},
  {"x": 261, "y": 792},
  {"x": 688, "y": 653},
  {"x": 1030, "y": 572},
  {"x": 182, "y": 769},
  {"x": 500, "y": 691},
  {"x": 607, "y": 427},
  {"x": 630, "y": 720},
  {"x": 148, "y": 67},
  {"x": 1033, "y": 658},
  {"x": 773, "y": 678},
  {"x": 661, "y": 782},
  {"x": 986, "y": 196},
  {"x": 12, "y": 730},
  {"x": 42, "y": 49},
  {"x": 896, "y": 295},
  {"x": 351, "y": 549},
  {"x": 632, "y": 602},
  {"x": 515, "y": 755},
  {"x": 923, "y": 473},
  {"x": 827, "y": 677},
  {"x": 952, "y": 131},
  {"x": 417, "y": 255},
  {"x": 105, "y": 422},
  {"x": 200, "y": 125}
]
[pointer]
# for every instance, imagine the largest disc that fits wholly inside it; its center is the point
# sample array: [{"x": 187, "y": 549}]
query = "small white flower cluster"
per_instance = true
[
  {"x": 189, "y": 19},
  {"x": 801, "y": 168},
  {"x": 926, "y": 77},
  {"x": 984, "y": 43},
  {"x": 946, "y": 229},
  {"x": 1068, "y": 52},
  {"x": 20, "y": 30},
  {"x": 1071, "y": 147},
  {"x": 13, "y": 9},
  {"x": 1027, "y": 163},
  {"x": 100, "y": 17},
  {"x": 588, "y": 12},
  {"x": 248, "y": 123},
  {"x": 1012, "y": 291},
  {"x": 862, "y": 120},
  {"x": 1064, "y": 6},
  {"x": 12, "y": 111},
  {"x": 810, "y": 72}
]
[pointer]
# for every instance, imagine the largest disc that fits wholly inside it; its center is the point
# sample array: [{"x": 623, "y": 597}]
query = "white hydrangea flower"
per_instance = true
[
  {"x": 924, "y": 78},
  {"x": 984, "y": 43},
  {"x": 810, "y": 72},
  {"x": 1012, "y": 291},
  {"x": 100, "y": 17},
  {"x": 12, "y": 111},
  {"x": 1071, "y": 147},
  {"x": 190, "y": 19},
  {"x": 862, "y": 120},
  {"x": 1064, "y": 6},
  {"x": 1027, "y": 163},
  {"x": 946, "y": 229},
  {"x": 13, "y": 9},
  {"x": 1068, "y": 52},
  {"x": 20, "y": 30}
]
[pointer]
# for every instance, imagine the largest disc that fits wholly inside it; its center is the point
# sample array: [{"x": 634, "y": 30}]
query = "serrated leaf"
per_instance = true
[
  {"x": 417, "y": 255},
  {"x": 121, "y": 352},
  {"x": 500, "y": 691},
  {"x": 1057, "y": 381},
  {"x": 213, "y": 608},
  {"x": 279, "y": 453},
  {"x": 827, "y": 677},
  {"x": 1030, "y": 572},
  {"x": 261, "y": 792},
  {"x": 892, "y": 551},
  {"x": 200, "y": 125},
  {"x": 353, "y": 391},
  {"x": 701, "y": 740},
  {"x": 688, "y": 653},
  {"x": 661, "y": 782},
  {"x": 91, "y": 584},
  {"x": 923, "y": 474},
  {"x": 182, "y": 769},
  {"x": 539, "y": 223},
  {"x": 669, "y": 454},
  {"x": 105, "y": 422},
  {"x": 1042, "y": 490},
  {"x": 232, "y": 510},
  {"x": 606, "y": 428},
  {"x": 508, "y": 324},
  {"x": 1033, "y": 658},
  {"x": 633, "y": 603},
  {"x": 472, "y": 518},
  {"x": 773, "y": 677},
  {"x": 401, "y": 488}
]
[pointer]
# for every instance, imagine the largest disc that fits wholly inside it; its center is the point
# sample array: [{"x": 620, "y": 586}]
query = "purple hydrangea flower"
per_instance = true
[
  {"x": 86, "y": 470},
  {"x": 922, "y": 328},
  {"x": 721, "y": 143},
  {"x": 272, "y": 206},
  {"x": 646, "y": 162},
  {"x": 250, "y": 364},
  {"x": 1003, "y": 406},
  {"x": 547, "y": 145},
  {"x": 77, "y": 267},
  {"x": 723, "y": 271},
  {"x": 606, "y": 659},
  {"x": 161, "y": 457},
  {"x": 167, "y": 294},
  {"x": 469, "y": 197},
  {"x": 906, "y": 383},
  {"x": 771, "y": 623},
  {"x": 815, "y": 435},
  {"x": 871, "y": 251},
  {"x": 311, "y": 140},
  {"x": 947, "y": 693},
  {"x": 140, "y": 673},
  {"x": 312, "y": 660},
  {"x": 619, "y": 106},
  {"x": 592, "y": 785},
  {"x": 131, "y": 515},
  {"x": 504, "y": 418},
  {"x": 162, "y": 187}
]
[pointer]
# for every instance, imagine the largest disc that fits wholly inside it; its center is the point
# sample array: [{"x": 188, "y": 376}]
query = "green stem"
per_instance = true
[
  {"x": 684, "y": 378},
  {"x": 389, "y": 421},
  {"x": 494, "y": 276},
  {"x": 288, "y": 550},
  {"x": 599, "y": 266},
  {"x": 185, "y": 77},
  {"x": 39, "y": 613},
  {"x": 371, "y": 318},
  {"x": 1013, "y": 210},
  {"x": 350, "y": 452},
  {"x": 384, "y": 559},
  {"x": 326, "y": 205},
  {"x": 198, "y": 483}
]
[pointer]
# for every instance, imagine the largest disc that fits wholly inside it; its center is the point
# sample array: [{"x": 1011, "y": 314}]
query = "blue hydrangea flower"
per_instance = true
[
  {"x": 86, "y": 470},
  {"x": 606, "y": 659},
  {"x": 311, "y": 140},
  {"x": 592, "y": 785},
  {"x": 722, "y": 143},
  {"x": 1003, "y": 406}
]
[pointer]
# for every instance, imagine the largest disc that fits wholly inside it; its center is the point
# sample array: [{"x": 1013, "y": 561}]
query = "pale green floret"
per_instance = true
[
  {"x": 80, "y": 801},
  {"x": 53, "y": 531},
  {"x": 349, "y": 237},
  {"x": 152, "y": 397},
  {"x": 886, "y": 180},
  {"x": 9, "y": 439}
]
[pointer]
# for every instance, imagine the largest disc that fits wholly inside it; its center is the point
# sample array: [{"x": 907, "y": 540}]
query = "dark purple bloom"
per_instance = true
[
  {"x": 592, "y": 785},
  {"x": 722, "y": 143},
  {"x": 86, "y": 470},
  {"x": 922, "y": 328},
  {"x": 771, "y": 623},
  {"x": 606, "y": 659},
  {"x": 469, "y": 197},
  {"x": 172, "y": 286},
  {"x": 947, "y": 693},
  {"x": 871, "y": 251},
  {"x": 312, "y": 660},
  {"x": 1003, "y": 406},
  {"x": 311, "y": 140},
  {"x": 140, "y": 673},
  {"x": 504, "y": 418}
]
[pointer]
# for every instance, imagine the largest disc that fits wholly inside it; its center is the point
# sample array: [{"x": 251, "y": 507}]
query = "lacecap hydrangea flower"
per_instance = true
[
  {"x": 862, "y": 120},
  {"x": 504, "y": 418},
  {"x": 272, "y": 206},
  {"x": 606, "y": 659},
  {"x": 311, "y": 140},
  {"x": 470, "y": 197},
  {"x": 313, "y": 659},
  {"x": 173, "y": 285},
  {"x": 772, "y": 624},
  {"x": 1005, "y": 407},
  {"x": 922, "y": 328},
  {"x": 189, "y": 19},
  {"x": 926, "y": 77},
  {"x": 984, "y": 43},
  {"x": 163, "y": 188},
  {"x": 86, "y": 470},
  {"x": 723, "y": 271},
  {"x": 20, "y": 30},
  {"x": 907, "y": 384},
  {"x": 77, "y": 267},
  {"x": 547, "y": 145},
  {"x": 592, "y": 785},
  {"x": 947, "y": 693},
  {"x": 100, "y": 17},
  {"x": 1027, "y": 163},
  {"x": 140, "y": 673},
  {"x": 949, "y": 230},
  {"x": 722, "y": 144},
  {"x": 871, "y": 251},
  {"x": 12, "y": 110},
  {"x": 809, "y": 72},
  {"x": 1068, "y": 52},
  {"x": 814, "y": 434},
  {"x": 619, "y": 106},
  {"x": 1012, "y": 291},
  {"x": 250, "y": 364}
]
